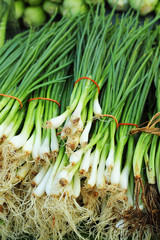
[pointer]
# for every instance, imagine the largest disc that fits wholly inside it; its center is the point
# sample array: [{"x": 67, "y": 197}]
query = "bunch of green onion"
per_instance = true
[{"x": 63, "y": 168}]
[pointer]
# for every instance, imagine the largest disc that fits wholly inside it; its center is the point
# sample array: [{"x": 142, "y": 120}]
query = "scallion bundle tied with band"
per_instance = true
[{"x": 58, "y": 167}]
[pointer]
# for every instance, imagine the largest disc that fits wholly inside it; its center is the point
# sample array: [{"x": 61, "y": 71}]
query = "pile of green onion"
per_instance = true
[{"x": 73, "y": 94}]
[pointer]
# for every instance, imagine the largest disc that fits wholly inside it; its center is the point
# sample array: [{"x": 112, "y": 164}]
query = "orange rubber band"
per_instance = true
[
  {"x": 107, "y": 115},
  {"x": 59, "y": 133},
  {"x": 128, "y": 124},
  {"x": 1, "y": 94},
  {"x": 49, "y": 99},
  {"x": 90, "y": 80}
]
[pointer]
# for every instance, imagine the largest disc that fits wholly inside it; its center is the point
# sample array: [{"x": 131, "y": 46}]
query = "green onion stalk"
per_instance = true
[
  {"x": 33, "y": 143},
  {"x": 64, "y": 181},
  {"x": 42, "y": 144},
  {"x": 62, "y": 211},
  {"x": 47, "y": 181},
  {"x": 135, "y": 104},
  {"x": 146, "y": 152},
  {"x": 47, "y": 70},
  {"x": 89, "y": 62},
  {"x": 120, "y": 195},
  {"x": 100, "y": 136},
  {"x": 106, "y": 163},
  {"x": 25, "y": 169},
  {"x": 138, "y": 105},
  {"x": 16, "y": 128},
  {"x": 57, "y": 201},
  {"x": 96, "y": 164},
  {"x": 74, "y": 124},
  {"x": 30, "y": 77},
  {"x": 118, "y": 102}
]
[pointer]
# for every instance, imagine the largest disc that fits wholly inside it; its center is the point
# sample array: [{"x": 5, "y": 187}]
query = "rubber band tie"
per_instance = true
[
  {"x": 107, "y": 115},
  {"x": 1, "y": 94},
  {"x": 119, "y": 124},
  {"x": 59, "y": 133},
  {"x": 49, "y": 99},
  {"x": 128, "y": 124},
  {"x": 90, "y": 80}
]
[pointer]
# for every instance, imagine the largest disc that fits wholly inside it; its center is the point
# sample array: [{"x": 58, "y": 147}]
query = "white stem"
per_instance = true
[
  {"x": 28, "y": 146},
  {"x": 109, "y": 165},
  {"x": 73, "y": 141},
  {"x": 75, "y": 128},
  {"x": 85, "y": 134},
  {"x": 110, "y": 158},
  {"x": 63, "y": 133},
  {"x": 68, "y": 129},
  {"x": 22, "y": 172},
  {"x": 76, "y": 156},
  {"x": 86, "y": 161},
  {"x": 77, "y": 112},
  {"x": 8, "y": 129},
  {"x": 120, "y": 224},
  {"x": 96, "y": 107},
  {"x": 58, "y": 121},
  {"x": 40, "y": 190},
  {"x": 63, "y": 177},
  {"x": 91, "y": 159},
  {"x": 44, "y": 149},
  {"x": 115, "y": 175},
  {"x": 77, "y": 185},
  {"x": 69, "y": 189},
  {"x": 36, "y": 147},
  {"x": 38, "y": 178},
  {"x": 130, "y": 198},
  {"x": 100, "y": 174},
  {"x": 124, "y": 178},
  {"x": 51, "y": 179},
  {"x": 19, "y": 140},
  {"x": 141, "y": 206},
  {"x": 93, "y": 177},
  {"x": 56, "y": 178},
  {"x": 2, "y": 129},
  {"x": 54, "y": 141}
]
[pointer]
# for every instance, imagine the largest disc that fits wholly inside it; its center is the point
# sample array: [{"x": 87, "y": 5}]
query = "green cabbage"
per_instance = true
[
  {"x": 145, "y": 6},
  {"x": 93, "y": 2},
  {"x": 72, "y": 7},
  {"x": 157, "y": 8},
  {"x": 19, "y": 8},
  {"x": 50, "y": 7},
  {"x": 34, "y": 16},
  {"x": 122, "y": 5}
]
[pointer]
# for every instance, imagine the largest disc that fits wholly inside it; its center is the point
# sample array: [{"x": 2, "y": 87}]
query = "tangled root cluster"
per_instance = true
[
  {"x": 53, "y": 217},
  {"x": 147, "y": 219},
  {"x": 97, "y": 214}
]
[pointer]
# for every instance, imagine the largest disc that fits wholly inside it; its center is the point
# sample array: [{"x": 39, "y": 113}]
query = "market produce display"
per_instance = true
[
  {"x": 79, "y": 134},
  {"x": 36, "y": 12}
]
